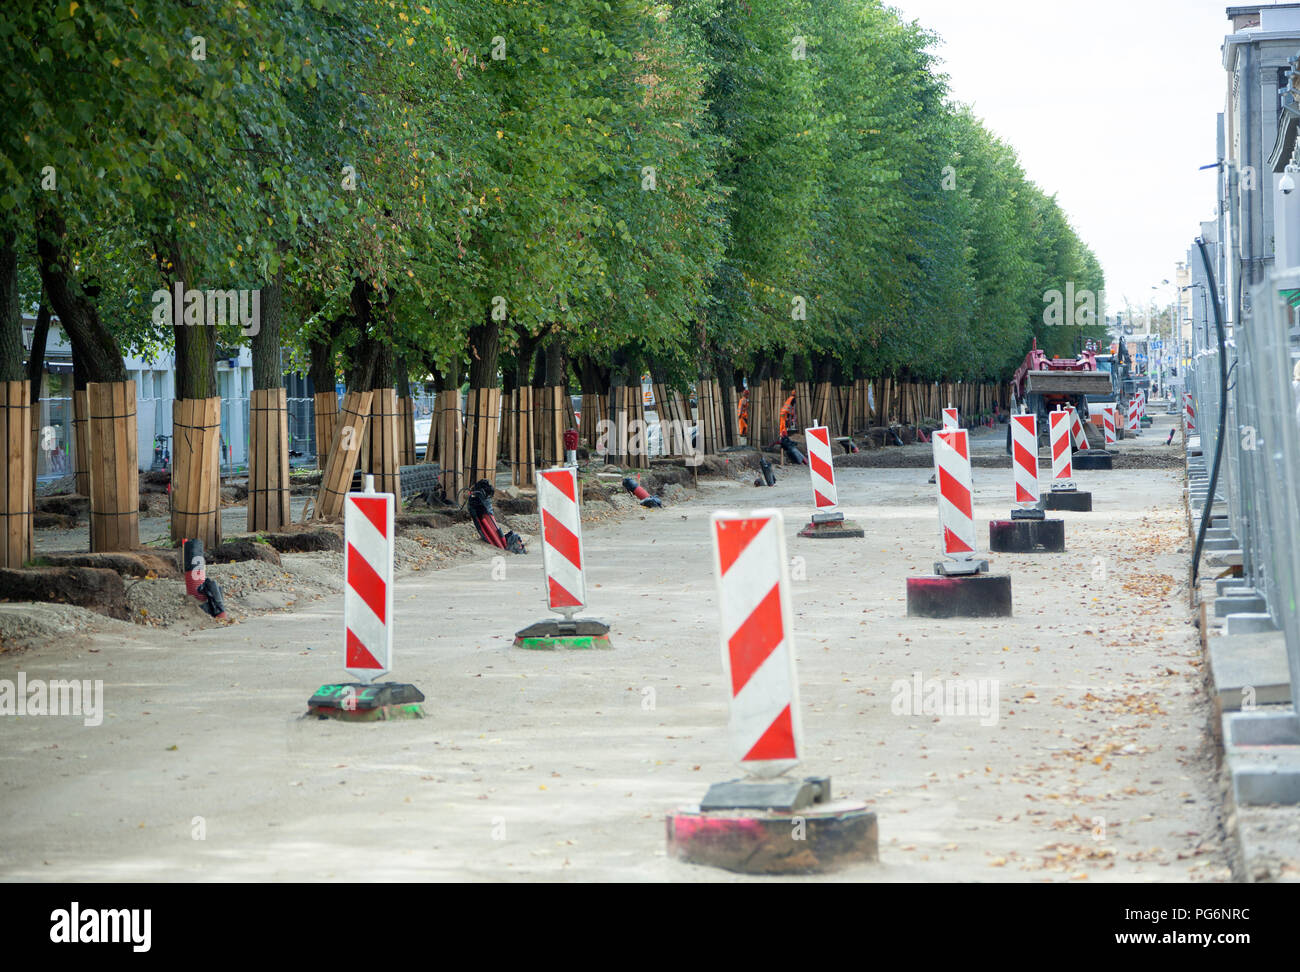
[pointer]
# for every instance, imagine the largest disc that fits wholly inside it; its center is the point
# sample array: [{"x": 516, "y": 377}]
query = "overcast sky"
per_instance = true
[{"x": 1110, "y": 104}]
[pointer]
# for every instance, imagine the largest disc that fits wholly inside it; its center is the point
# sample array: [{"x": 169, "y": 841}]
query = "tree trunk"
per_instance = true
[
  {"x": 196, "y": 415},
  {"x": 484, "y": 406},
  {"x": 36, "y": 360},
  {"x": 268, "y": 416},
  {"x": 323, "y": 372},
  {"x": 405, "y": 415},
  {"x": 551, "y": 403},
  {"x": 11, "y": 314},
  {"x": 94, "y": 347},
  {"x": 485, "y": 350}
]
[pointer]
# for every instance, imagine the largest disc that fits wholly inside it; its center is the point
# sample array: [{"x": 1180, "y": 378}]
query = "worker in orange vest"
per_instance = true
[
  {"x": 744, "y": 412},
  {"x": 788, "y": 418}
]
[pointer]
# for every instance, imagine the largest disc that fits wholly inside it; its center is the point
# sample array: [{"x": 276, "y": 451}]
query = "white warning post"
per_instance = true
[{"x": 749, "y": 562}]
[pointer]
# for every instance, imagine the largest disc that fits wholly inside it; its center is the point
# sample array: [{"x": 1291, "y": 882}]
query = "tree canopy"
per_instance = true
[{"x": 697, "y": 184}]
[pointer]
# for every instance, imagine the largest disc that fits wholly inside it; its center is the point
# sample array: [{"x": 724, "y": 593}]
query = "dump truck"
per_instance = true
[{"x": 1042, "y": 384}]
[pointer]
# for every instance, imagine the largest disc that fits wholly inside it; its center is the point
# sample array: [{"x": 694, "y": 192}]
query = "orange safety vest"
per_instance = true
[
  {"x": 744, "y": 412},
  {"x": 787, "y": 415}
]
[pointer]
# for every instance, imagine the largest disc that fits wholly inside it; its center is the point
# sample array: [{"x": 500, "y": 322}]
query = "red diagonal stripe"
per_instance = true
[
  {"x": 1023, "y": 495},
  {"x": 560, "y": 596},
  {"x": 363, "y": 579},
  {"x": 733, "y": 537},
  {"x": 1026, "y": 422},
  {"x": 820, "y": 499},
  {"x": 954, "y": 492},
  {"x": 821, "y": 467},
  {"x": 777, "y": 741},
  {"x": 822, "y": 435},
  {"x": 755, "y": 639},
  {"x": 956, "y": 439},
  {"x": 561, "y": 539},
  {"x": 955, "y": 544},
  {"x": 1024, "y": 458},
  {"x": 358, "y": 655},
  {"x": 375, "y": 509},
  {"x": 563, "y": 481}
]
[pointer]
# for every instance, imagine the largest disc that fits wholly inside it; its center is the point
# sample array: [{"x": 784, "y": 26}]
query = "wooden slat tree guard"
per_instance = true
[
  {"x": 552, "y": 420},
  {"x": 707, "y": 412},
  {"x": 344, "y": 453},
  {"x": 327, "y": 420},
  {"x": 520, "y": 432},
  {"x": 728, "y": 400},
  {"x": 81, "y": 441},
  {"x": 817, "y": 411},
  {"x": 754, "y": 436},
  {"x": 379, "y": 442},
  {"x": 196, "y": 470},
  {"x": 593, "y": 413},
  {"x": 624, "y": 441},
  {"x": 114, "y": 483},
  {"x": 769, "y": 426},
  {"x": 268, "y": 459},
  {"x": 483, "y": 416},
  {"x": 451, "y": 443},
  {"x": 671, "y": 410},
  {"x": 406, "y": 432},
  {"x": 17, "y": 482}
]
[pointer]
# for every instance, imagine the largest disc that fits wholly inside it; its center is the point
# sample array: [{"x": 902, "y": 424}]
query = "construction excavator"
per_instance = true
[{"x": 1042, "y": 385}]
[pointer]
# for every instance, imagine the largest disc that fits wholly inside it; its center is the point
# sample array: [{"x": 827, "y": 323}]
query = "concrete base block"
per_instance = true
[
  {"x": 1093, "y": 459},
  {"x": 1227, "y": 585},
  {"x": 822, "y": 838},
  {"x": 1253, "y": 667},
  {"x": 967, "y": 596},
  {"x": 1217, "y": 559},
  {"x": 832, "y": 530},
  {"x": 1220, "y": 544},
  {"x": 1262, "y": 752},
  {"x": 1239, "y": 624},
  {"x": 1075, "y": 500},
  {"x": 1276, "y": 726},
  {"x": 1244, "y": 601},
  {"x": 1026, "y": 536},
  {"x": 553, "y": 633}
]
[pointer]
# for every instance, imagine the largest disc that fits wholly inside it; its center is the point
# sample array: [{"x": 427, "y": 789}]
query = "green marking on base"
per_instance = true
[
  {"x": 564, "y": 641},
  {"x": 383, "y": 713}
]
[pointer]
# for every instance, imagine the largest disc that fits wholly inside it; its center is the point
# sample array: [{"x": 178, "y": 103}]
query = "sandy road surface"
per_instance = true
[{"x": 539, "y": 766}]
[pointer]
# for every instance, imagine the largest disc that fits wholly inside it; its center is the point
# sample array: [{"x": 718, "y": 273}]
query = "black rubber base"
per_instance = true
[
  {"x": 1076, "y": 501},
  {"x": 1093, "y": 459},
  {"x": 969, "y": 596},
  {"x": 1027, "y": 536},
  {"x": 834, "y": 530}
]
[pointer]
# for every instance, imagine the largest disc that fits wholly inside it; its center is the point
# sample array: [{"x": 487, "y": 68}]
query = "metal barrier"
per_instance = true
[{"x": 1261, "y": 460}]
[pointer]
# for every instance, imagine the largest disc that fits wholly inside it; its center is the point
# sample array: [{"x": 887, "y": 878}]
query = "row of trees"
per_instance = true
[{"x": 586, "y": 190}]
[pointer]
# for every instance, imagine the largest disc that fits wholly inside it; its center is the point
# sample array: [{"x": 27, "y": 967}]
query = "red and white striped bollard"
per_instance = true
[
  {"x": 953, "y": 477},
  {"x": 758, "y": 659},
  {"x": 821, "y": 467},
  {"x": 1024, "y": 457}
]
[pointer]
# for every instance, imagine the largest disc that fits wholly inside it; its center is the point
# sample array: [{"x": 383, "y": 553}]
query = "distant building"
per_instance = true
[{"x": 155, "y": 389}]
